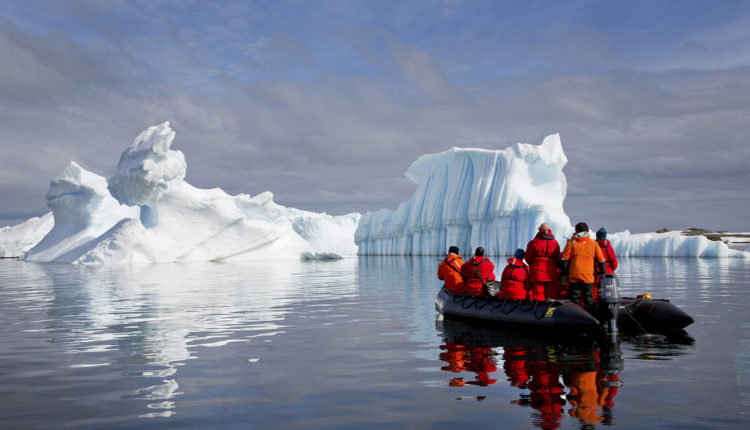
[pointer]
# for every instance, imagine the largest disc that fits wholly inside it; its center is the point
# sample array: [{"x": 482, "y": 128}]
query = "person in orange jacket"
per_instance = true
[
  {"x": 477, "y": 272},
  {"x": 450, "y": 271},
  {"x": 542, "y": 254},
  {"x": 515, "y": 282},
  {"x": 579, "y": 257}
]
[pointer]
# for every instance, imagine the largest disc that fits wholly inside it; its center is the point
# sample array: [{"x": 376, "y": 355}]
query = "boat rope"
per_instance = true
[
  {"x": 476, "y": 304},
  {"x": 463, "y": 302},
  {"x": 635, "y": 305},
  {"x": 502, "y": 309}
]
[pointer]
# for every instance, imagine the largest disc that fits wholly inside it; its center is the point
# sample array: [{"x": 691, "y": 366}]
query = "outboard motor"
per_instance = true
[{"x": 609, "y": 296}]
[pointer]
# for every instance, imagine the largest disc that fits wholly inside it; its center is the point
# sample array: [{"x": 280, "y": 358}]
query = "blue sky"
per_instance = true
[{"x": 327, "y": 103}]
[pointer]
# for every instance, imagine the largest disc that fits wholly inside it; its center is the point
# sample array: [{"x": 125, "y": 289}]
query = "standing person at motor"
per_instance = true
[
  {"x": 476, "y": 272},
  {"x": 610, "y": 259},
  {"x": 543, "y": 254},
  {"x": 450, "y": 271},
  {"x": 609, "y": 253},
  {"x": 579, "y": 257},
  {"x": 515, "y": 282}
]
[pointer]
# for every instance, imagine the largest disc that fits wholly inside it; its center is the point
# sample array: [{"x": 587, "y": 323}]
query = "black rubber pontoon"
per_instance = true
[{"x": 553, "y": 315}]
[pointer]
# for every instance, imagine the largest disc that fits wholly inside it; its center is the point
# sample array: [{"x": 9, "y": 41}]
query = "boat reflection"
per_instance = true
[{"x": 576, "y": 377}]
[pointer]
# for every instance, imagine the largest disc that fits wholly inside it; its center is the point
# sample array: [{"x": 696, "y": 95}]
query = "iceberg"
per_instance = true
[
  {"x": 146, "y": 213},
  {"x": 19, "y": 238},
  {"x": 670, "y": 244},
  {"x": 497, "y": 199},
  {"x": 473, "y": 197}
]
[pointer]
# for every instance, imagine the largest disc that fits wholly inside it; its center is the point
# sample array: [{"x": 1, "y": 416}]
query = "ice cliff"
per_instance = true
[
  {"x": 473, "y": 197},
  {"x": 147, "y": 212}
]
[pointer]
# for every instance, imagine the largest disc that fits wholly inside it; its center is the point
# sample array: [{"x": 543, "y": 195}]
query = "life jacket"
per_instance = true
[
  {"x": 515, "y": 280},
  {"x": 450, "y": 272},
  {"x": 477, "y": 272}
]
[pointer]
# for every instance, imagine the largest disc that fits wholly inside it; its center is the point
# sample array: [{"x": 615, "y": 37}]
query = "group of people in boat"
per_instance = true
[{"x": 541, "y": 271}]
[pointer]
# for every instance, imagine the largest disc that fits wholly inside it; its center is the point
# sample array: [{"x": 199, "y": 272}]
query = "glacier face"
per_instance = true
[
  {"x": 147, "y": 213},
  {"x": 473, "y": 197}
]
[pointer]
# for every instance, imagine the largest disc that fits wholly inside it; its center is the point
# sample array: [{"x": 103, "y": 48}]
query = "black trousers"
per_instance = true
[{"x": 578, "y": 291}]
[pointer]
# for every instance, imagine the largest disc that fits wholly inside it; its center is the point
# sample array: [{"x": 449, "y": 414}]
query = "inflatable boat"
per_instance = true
[{"x": 635, "y": 315}]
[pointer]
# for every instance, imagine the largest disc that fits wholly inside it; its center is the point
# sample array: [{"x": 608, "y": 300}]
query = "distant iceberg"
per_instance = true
[
  {"x": 147, "y": 213},
  {"x": 671, "y": 244}
]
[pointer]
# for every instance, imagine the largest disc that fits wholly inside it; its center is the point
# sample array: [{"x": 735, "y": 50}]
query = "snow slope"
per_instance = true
[{"x": 147, "y": 213}]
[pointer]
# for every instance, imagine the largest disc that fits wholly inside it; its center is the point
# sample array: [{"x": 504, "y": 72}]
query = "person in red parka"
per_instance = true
[
  {"x": 609, "y": 254},
  {"x": 610, "y": 260},
  {"x": 476, "y": 272},
  {"x": 515, "y": 282},
  {"x": 542, "y": 254}
]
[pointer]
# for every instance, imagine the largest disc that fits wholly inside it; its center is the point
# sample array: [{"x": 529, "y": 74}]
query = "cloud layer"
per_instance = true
[{"x": 327, "y": 103}]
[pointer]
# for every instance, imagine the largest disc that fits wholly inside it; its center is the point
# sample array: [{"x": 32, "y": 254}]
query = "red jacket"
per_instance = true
[
  {"x": 542, "y": 254},
  {"x": 609, "y": 255},
  {"x": 515, "y": 281},
  {"x": 472, "y": 283}
]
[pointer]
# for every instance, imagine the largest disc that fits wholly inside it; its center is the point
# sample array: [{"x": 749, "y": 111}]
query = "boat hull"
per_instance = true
[{"x": 553, "y": 315}]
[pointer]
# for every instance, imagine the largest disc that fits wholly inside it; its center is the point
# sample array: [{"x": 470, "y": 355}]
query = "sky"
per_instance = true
[{"x": 327, "y": 103}]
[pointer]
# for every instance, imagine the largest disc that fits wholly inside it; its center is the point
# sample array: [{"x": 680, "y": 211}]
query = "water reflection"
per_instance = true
[
  {"x": 145, "y": 323},
  {"x": 579, "y": 378}
]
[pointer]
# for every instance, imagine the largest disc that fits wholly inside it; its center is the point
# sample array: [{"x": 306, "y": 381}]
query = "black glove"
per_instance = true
[
  {"x": 602, "y": 267},
  {"x": 562, "y": 265}
]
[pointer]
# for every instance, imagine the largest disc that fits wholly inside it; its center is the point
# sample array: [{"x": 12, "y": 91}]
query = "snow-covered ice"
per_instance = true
[
  {"x": 671, "y": 244},
  {"x": 147, "y": 212},
  {"x": 19, "y": 238}
]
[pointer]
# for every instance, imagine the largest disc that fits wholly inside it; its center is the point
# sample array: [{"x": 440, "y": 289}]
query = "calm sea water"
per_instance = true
[{"x": 350, "y": 344}]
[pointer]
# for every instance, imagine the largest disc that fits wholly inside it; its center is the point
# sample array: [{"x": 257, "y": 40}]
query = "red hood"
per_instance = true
[{"x": 546, "y": 234}]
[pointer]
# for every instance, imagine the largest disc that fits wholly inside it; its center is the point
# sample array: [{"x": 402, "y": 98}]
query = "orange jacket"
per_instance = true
[
  {"x": 450, "y": 272},
  {"x": 582, "y": 254}
]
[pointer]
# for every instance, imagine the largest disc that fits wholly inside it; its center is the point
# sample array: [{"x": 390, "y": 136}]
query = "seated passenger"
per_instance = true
[
  {"x": 515, "y": 282},
  {"x": 477, "y": 272},
  {"x": 450, "y": 271}
]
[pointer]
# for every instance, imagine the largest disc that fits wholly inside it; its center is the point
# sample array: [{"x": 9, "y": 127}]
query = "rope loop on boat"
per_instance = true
[
  {"x": 502, "y": 309},
  {"x": 485, "y": 301},
  {"x": 463, "y": 302},
  {"x": 533, "y": 306}
]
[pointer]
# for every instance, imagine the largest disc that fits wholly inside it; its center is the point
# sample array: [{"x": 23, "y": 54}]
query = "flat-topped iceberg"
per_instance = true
[{"x": 147, "y": 213}]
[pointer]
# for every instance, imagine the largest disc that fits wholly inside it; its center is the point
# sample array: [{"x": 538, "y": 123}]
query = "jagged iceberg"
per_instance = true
[
  {"x": 146, "y": 213},
  {"x": 473, "y": 197}
]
